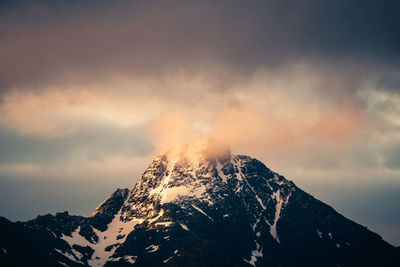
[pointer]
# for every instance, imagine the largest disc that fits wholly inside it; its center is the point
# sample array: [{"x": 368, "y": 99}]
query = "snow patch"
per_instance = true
[
  {"x": 184, "y": 227},
  {"x": 165, "y": 224},
  {"x": 254, "y": 255},
  {"x": 278, "y": 207},
  {"x": 319, "y": 233},
  {"x": 152, "y": 248},
  {"x": 221, "y": 173},
  {"x": 172, "y": 193},
  {"x": 76, "y": 238},
  {"x": 130, "y": 259},
  {"x": 116, "y": 233},
  {"x": 165, "y": 181},
  {"x": 160, "y": 214},
  {"x": 255, "y": 224},
  {"x": 69, "y": 256},
  {"x": 242, "y": 177},
  {"x": 51, "y": 232},
  {"x": 77, "y": 254},
  {"x": 165, "y": 261},
  {"x": 201, "y": 211}
]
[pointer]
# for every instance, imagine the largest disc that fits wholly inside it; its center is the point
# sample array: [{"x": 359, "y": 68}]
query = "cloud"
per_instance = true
[
  {"x": 98, "y": 40},
  {"x": 317, "y": 80},
  {"x": 279, "y": 111},
  {"x": 89, "y": 142},
  {"x": 391, "y": 156}
]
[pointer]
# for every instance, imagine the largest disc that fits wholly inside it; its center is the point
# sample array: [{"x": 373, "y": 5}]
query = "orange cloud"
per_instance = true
[
  {"x": 243, "y": 127},
  {"x": 251, "y": 130},
  {"x": 337, "y": 126}
]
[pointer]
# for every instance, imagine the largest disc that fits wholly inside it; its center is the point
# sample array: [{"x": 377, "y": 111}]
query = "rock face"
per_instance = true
[{"x": 199, "y": 207}]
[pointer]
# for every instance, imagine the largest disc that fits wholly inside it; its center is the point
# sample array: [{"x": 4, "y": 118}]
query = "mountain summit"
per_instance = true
[{"x": 199, "y": 206}]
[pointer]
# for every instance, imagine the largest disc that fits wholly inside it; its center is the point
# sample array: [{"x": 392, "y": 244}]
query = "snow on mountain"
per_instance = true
[{"x": 200, "y": 205}]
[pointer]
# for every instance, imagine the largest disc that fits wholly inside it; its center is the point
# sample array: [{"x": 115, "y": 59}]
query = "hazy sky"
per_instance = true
[{"x": 90, "y": 91}]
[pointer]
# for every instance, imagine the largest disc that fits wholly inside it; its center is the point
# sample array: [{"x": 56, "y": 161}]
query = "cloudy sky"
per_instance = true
[{"x": 90, "y": 91}]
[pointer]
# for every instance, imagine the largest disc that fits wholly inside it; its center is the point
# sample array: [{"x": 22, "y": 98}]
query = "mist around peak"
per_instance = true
[{"x": 205, "y": 149}]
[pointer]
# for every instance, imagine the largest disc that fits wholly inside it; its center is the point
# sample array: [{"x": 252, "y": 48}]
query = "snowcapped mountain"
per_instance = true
[{"x": 199, "y": 206}]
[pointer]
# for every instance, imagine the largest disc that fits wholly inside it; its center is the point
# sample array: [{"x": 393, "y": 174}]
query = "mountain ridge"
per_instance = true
[{"x": 202, "y": 207}]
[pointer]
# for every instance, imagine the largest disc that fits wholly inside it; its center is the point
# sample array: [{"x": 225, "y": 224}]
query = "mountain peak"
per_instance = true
[
  {"x": 117, "y": 196},
  {"x": 198, "y": 205},
  {"x": 210, "y": 178}
]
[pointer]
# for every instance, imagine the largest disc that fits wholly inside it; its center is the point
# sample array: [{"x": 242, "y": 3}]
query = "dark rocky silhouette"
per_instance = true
[{"x": 199, "y": 208}]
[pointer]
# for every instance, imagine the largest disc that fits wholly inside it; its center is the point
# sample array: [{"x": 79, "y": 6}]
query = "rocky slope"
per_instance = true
[{"x": 199, "y": 206}]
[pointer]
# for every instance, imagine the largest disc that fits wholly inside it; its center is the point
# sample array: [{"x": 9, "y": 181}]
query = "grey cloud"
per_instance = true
[
  {"x": 389, "y": 81},
  {"x": 91, "y": 141},
  {"x": 24, "y": 199},
  {"x": 63, "y": 41},
  {"x": 391, "y": 156}
]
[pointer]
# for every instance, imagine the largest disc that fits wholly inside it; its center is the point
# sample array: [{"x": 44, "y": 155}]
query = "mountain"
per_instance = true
[{"x": 199, "y": 206}]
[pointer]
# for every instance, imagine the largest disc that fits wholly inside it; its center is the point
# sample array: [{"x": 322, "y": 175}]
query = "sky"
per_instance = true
[{"x": 91, "y": 91}]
